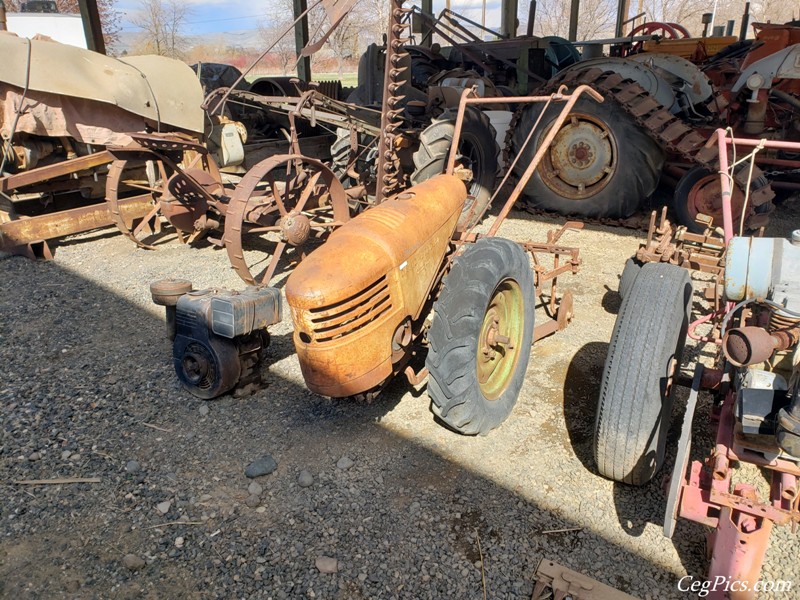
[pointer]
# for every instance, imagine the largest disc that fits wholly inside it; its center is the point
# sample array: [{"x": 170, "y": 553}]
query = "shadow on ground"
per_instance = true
[{"x": 88, "y": 387}]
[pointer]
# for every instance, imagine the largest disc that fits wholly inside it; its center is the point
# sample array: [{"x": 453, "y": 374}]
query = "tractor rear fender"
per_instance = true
[
  {"x": 781, "y": 65},
  {"x": 684, "y": 75},
  {"x": 642, "y": 74}
]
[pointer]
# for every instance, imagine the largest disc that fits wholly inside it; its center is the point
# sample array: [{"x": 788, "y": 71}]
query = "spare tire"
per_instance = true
[{"x": 600, "y": 164}]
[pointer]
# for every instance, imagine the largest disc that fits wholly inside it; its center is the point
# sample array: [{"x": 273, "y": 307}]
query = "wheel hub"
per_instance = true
[
  {"x": 500, "y": 338},
  {"x": 295, "y": 229},
  {"x": 581, "y": 159},
  {"x": 705, "y": 197}
]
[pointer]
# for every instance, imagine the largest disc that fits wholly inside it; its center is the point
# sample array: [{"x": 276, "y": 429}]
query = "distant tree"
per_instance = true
[
  {"x": 283, "y": 48},
  {"x": 110, "y": 17},
  {"x": 162, "y": 24},
  {"x": 596, "y": 18}
]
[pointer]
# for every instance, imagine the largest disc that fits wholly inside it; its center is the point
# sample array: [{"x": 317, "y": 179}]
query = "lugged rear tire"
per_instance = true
[
  {"x": 471, "y": 391},
  {"x": 477, "y": 147},
  {"x": 601, "y": 147},
  {"x": 635, "y": 403}
]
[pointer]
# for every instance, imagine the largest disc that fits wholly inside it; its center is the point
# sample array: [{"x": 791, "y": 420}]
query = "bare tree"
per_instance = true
[
  {"x": 284, "y": 47},
  {"x": 596, "y": 18},
  {"x": 345, "y": 39},
  {"x": 162, "y": 23}
]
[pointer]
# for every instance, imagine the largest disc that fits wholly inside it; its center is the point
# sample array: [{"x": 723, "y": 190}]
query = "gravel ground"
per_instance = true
[{"x": 392, "y": 502}]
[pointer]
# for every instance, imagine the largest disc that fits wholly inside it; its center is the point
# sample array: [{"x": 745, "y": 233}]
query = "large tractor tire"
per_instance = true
[
  {"x": 601, "y": 164},
  {"x": 480, "y": 338},
  {"x": 477, "y": 151},
  {"x": 635, "y": 403}
]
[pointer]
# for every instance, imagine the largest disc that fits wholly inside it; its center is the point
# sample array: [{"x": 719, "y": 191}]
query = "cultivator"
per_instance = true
[{"x": 755, "y": 322}]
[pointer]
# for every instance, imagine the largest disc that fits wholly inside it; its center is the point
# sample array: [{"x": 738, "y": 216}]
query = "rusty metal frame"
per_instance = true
[
  {"x": 560, "y": 312},
  {"x": 741, "y": 522},
  {"x": 469, "y": 97},
  {"x": 566, "y": 583}
]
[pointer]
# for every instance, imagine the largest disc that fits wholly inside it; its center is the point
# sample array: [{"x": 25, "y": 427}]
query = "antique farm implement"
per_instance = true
[{"x": 754, "y": 325}]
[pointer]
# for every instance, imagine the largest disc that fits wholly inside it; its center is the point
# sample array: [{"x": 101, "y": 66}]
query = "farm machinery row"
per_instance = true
[{"x": 660, "y": 108}]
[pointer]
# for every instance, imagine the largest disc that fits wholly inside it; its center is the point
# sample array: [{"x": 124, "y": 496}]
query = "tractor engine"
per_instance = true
[
  {"x": 354, "y": 325},
  {"x": 764, "y": 274}
]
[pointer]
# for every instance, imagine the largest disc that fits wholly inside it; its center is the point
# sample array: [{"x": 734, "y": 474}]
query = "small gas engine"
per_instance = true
[
  {"x": 219, "y": 336},
  {"x": 763, "y": 276}
]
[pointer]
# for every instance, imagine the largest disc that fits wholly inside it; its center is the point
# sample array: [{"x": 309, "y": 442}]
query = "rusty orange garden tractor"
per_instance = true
[{"x": 402, "y": 279}]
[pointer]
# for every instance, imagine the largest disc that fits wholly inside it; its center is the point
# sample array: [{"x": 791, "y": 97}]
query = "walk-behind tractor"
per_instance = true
[
  {"x": 754, "y": 287},
  {"x": 403, "y": 280}
]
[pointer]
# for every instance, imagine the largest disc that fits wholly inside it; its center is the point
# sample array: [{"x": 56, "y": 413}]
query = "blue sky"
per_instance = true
[
  {"x": 209, "y": 16},
  {"x": 212, "y": 16}
]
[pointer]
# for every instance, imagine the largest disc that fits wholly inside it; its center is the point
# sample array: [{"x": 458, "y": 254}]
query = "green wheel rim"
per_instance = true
[{"x": 500, "y": 339}]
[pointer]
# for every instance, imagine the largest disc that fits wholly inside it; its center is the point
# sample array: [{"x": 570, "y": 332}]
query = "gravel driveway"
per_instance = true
[{"x": 416, "y": 511}]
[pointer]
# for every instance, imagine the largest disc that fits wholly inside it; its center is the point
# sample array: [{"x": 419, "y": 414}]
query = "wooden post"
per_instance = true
[
  {"x": 426, "y": 35},
  {"x": 623, "y": 7},
  {"x": 301, "y": 39},
  {"x": 92, "y": 28},
  {"x": 508, "y": 18},
  {"x": 574, "y": 9}
]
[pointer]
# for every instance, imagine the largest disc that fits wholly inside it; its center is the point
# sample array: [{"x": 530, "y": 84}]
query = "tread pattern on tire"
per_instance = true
[
  {"x": 638, "y": 163},
  {"x": 633, "y": 415},
  {"x": 435, "y": 142},
  {"x": 453, "y": 336}
]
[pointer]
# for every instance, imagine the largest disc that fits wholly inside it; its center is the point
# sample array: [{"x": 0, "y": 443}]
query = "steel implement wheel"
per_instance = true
[
  {"x": 128, "y": 178},
  {"x": 635, "y": 402},
  {"x": 600, "y": 164},
  {"x": 478, "y": 151},
  {"x": 281, "y": 205},
  {"x": 699, "y": 191},
  {"x": 177, "y": 193},
  {"x": 480, "y": 336}
]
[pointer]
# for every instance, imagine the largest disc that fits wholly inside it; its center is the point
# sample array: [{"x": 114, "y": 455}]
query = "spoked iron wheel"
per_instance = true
[
  {"x": 175, "y": 194},
  {"x": 283, "y": 203}
]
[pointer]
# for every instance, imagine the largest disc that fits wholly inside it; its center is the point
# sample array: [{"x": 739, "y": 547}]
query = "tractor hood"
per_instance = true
[{"x": 161, "y": 90}]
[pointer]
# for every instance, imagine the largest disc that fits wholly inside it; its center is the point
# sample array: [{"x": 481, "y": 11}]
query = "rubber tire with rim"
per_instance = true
[
  {"x": 434, "y": 148},
  {"x": 691, "y": 178},
  {"x": 638, "y": 162},
  {"x": 634, "y": 407},
  {"x": 458, "y": 315},
  {"x": 629, "y": 274}
]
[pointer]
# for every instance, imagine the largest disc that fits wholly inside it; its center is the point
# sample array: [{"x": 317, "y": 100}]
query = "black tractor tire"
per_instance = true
[
  {"x": 629, "y": 274},
  {"x": 614, "y": 185},
  {"x": 478, "y": 151},
  {"x": 462, "y": 395},
  {"x": 635, "y": 404}
]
